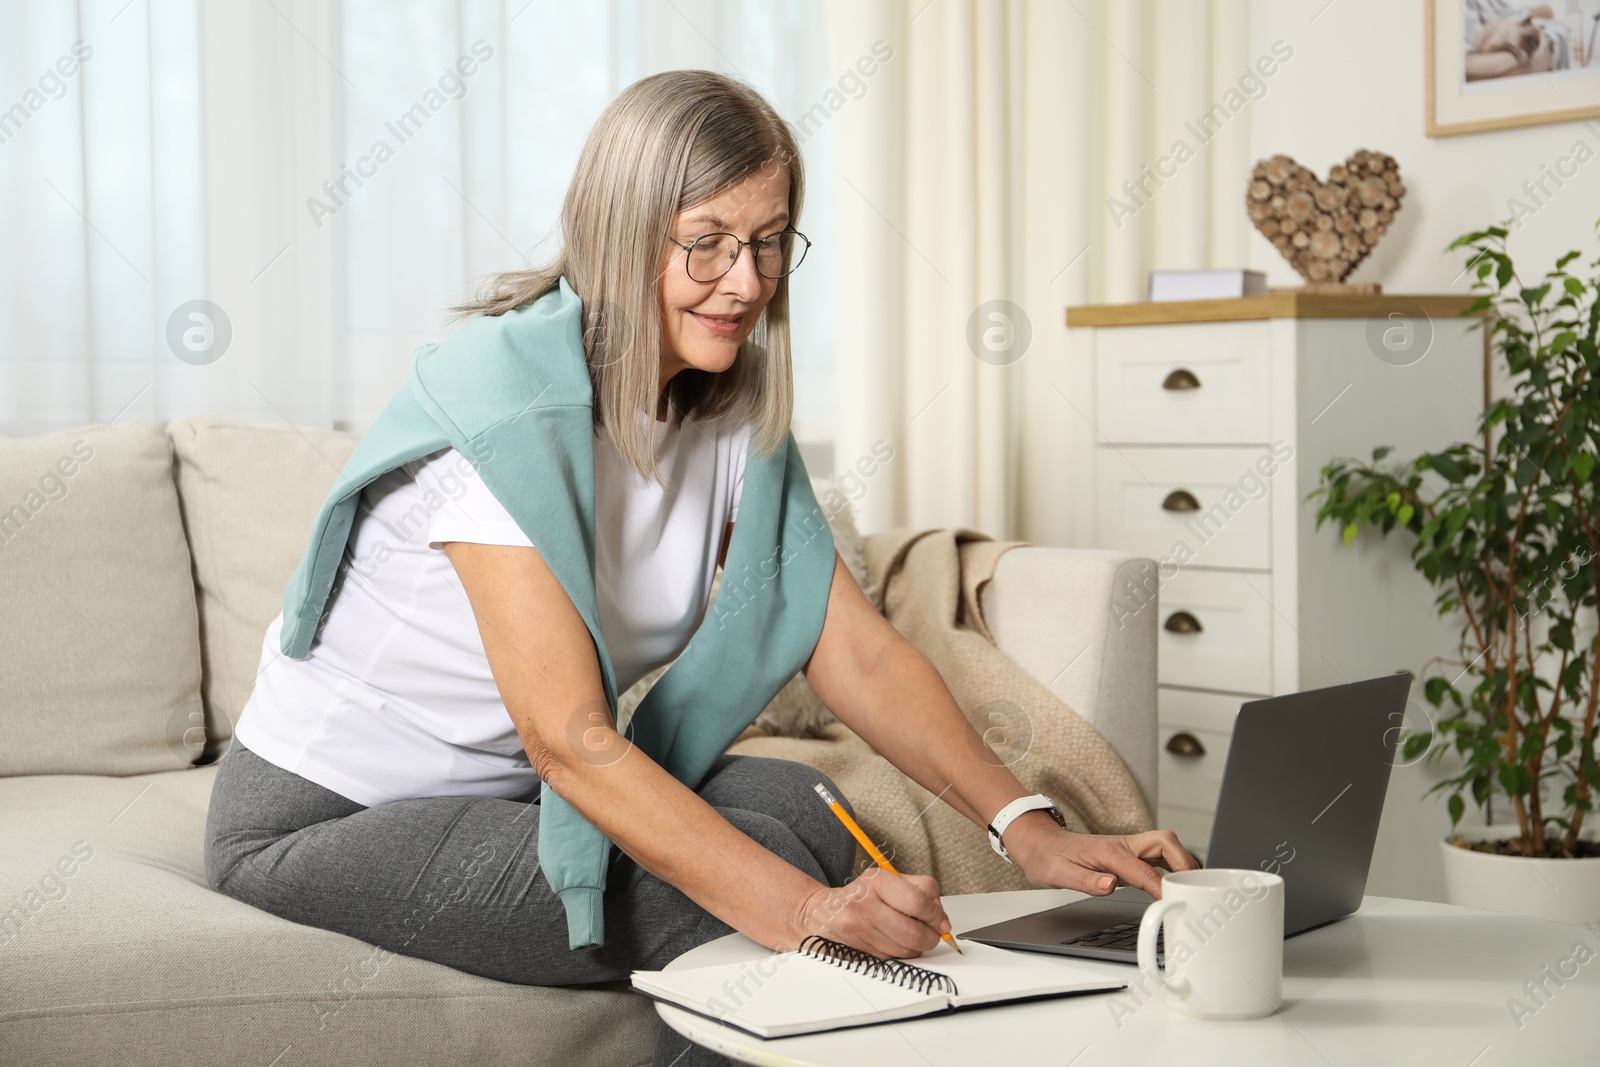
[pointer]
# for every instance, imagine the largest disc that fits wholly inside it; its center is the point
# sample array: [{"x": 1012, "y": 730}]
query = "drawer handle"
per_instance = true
[
  {"x": 1181, "y": 378},
  {"x": 1185, "y": 744},
  {"x": 1181, "y": 622},
  {"x": 1180, "y": 500}
]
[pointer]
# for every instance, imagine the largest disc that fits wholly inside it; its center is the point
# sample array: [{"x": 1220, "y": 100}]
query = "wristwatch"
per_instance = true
[{"x": 1006, "y": 814}]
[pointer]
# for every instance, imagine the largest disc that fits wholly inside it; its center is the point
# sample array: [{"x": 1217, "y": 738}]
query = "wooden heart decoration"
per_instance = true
[{"x": 1325, "y": 228}]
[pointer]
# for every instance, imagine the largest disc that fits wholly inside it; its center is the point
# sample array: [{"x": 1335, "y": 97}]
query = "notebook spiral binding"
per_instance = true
[{"x": 899, "y": 972}]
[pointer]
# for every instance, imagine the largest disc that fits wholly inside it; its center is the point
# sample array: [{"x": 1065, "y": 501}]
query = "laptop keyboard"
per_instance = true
[{"x": 1121, "y": 936}]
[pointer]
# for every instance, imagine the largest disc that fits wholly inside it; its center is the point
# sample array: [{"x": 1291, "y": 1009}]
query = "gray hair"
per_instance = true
[{"x": 664, "y": 144}]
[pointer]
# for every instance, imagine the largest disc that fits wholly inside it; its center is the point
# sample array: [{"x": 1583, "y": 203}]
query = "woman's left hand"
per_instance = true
[{"x": 1095, "y": 863}]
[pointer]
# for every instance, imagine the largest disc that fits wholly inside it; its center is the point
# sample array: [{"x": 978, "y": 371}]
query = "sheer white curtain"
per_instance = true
[
  {"x": 978, "y": 168},
  {"x": 479, "y": 187},
  {"x": 100, "y": 208},
  {"x": 329, "y": 178}
]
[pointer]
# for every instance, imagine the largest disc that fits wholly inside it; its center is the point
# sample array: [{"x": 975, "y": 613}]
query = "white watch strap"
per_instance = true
[{"x": 1007, "y": 814}]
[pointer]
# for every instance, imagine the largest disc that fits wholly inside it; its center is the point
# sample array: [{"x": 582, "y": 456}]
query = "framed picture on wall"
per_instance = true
[{"x": 1493, "y": 64}]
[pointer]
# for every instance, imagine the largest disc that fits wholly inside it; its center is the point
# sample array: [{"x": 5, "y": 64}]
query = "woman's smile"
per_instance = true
[{"x": 720, "y": 325}]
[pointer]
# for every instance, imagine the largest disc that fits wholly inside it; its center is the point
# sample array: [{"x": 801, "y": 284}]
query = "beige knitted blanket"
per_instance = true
[{"x": 930, "y": 581}]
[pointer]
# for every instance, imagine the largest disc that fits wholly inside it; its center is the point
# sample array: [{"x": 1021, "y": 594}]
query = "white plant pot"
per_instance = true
[{"x": 1566, "y": 891}]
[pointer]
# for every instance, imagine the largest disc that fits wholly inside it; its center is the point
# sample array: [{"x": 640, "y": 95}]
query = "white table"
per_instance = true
[{"x": 1400, "y": 982}]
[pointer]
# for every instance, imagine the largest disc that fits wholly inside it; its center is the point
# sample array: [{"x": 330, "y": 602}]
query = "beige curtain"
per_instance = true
[{"x": 972, "y": 187}]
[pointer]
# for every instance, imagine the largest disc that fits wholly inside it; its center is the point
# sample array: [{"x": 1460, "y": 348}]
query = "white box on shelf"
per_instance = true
[{"x": 1205, "y": 284}]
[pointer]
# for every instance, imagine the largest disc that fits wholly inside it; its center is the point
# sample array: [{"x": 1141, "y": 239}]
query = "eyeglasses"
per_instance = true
[{"x": 712, "y": 255}]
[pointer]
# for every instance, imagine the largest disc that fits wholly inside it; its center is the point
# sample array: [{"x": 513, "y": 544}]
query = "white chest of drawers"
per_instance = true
[{"x": 1204, "y": 425}]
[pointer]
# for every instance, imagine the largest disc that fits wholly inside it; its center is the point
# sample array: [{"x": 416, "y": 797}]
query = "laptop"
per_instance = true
[{"x": 1301, "y": 797}]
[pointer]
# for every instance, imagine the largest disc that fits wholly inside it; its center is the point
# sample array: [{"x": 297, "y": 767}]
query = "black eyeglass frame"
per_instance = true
[{"x": 688, "y": 249}]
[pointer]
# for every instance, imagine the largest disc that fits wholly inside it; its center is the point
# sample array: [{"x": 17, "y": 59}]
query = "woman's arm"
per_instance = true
[
  {"x": 545, "y": 666},
  {"x": 881, "y": 686}
]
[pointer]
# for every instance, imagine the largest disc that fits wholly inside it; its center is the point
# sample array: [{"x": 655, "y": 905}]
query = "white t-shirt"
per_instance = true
[{"x": 396, "y": 700}]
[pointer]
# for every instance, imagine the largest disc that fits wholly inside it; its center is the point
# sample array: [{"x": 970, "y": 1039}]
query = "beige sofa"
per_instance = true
[{"x": 140, "y": 565}]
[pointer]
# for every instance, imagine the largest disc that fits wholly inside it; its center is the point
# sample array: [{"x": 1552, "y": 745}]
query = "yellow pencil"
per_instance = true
[{"x": 866, "y": 843}]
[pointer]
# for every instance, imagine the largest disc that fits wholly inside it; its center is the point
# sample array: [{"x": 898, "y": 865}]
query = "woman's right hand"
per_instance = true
[{"x": 889, "y": 915}]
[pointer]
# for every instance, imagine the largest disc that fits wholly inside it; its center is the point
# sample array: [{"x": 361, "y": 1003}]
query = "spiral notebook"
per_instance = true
[{"x": 826, "y": 985}]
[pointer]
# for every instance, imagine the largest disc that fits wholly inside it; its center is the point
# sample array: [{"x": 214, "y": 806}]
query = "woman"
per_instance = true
[{"x": 400, "y": 760}]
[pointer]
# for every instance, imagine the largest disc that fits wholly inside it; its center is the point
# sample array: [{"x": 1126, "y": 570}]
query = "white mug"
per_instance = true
[{"x": 1222, "y": 934}]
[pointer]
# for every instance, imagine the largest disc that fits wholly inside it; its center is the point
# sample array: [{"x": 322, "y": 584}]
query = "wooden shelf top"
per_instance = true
[{"x": 1277, "y": 304}]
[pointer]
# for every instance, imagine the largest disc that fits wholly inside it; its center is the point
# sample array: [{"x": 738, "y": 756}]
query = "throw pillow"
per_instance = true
[{"x": 99, "y": 645}]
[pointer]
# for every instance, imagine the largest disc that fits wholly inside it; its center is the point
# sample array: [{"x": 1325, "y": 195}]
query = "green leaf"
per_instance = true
[
  {"x": 1433, "y": 690},
  {"x": 1574, "y": 286},
  {"x": 1349, "y": 532},
  {"x": 1561, "y": 636},
  {"x": 1405, "y": 513},
  {"x": 1448, "y": 468},
  {"x": 1503, "y": 273},
  {"x": 1458, "y": 808},
  {"x": 1481, "y": 786},
  {"x": 1575, "y": 673},
  {"x": 1381, "y": 451}
]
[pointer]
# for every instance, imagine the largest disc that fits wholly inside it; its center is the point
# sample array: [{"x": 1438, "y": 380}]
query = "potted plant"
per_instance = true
[{"x": 1507, "y": 529}]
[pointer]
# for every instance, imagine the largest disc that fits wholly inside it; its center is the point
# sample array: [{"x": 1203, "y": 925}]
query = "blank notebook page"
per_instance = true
[
  {"x": 792, "y": 992},
  {"x": 787, "y": 990},
  {"x": 985, "y": 973}
]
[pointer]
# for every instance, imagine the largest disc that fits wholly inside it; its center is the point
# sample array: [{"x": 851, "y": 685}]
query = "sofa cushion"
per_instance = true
[
  {"x": 116, "y": 952},
  {"x": 249, "y": 495},
  {"x": 99, "y": 647}
]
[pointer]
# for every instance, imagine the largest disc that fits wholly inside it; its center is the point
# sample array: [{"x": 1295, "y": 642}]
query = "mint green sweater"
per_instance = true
[{"x": 512, "y": 394}]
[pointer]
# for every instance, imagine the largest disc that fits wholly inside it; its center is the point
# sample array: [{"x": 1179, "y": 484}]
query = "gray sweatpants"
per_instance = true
[{"x": 302, "y": 852}]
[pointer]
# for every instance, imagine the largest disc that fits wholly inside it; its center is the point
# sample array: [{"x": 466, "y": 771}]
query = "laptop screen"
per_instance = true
[{"x": 1303, "y": 792}]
